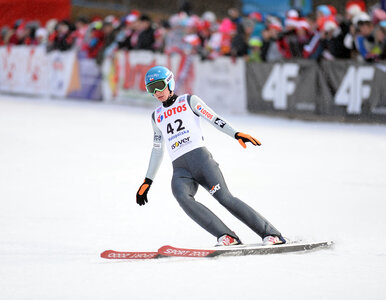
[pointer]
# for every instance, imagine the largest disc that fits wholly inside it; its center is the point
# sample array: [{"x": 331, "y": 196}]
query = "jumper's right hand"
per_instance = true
[
  {"x": 142, "y": 191},
  {"x": 243, "y": 138}
]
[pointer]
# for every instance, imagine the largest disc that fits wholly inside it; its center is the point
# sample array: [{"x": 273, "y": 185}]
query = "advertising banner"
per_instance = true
[
  {"x": 90, "y": 80},
  {"x": 30, "y": 70},
  {"x": 357, "y": 88},
  {"x": 293, "y": 86},
  {"x": 64, "y": 73},
  {"x": 220, "y": 83},
  {"x": 332, "y": 88},
  {"x": 13, "y": 69}
]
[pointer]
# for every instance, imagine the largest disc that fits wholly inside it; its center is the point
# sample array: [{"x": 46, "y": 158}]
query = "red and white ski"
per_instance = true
[
  {"x": 239, "y": 250},
  {"x": 242, "y": 250}
]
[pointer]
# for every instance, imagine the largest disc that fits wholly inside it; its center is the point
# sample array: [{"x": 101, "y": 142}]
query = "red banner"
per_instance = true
[{"x": 29, "y": 10}]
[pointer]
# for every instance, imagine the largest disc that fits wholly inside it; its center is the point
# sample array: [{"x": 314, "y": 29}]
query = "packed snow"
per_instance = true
[{"x": 69, "y": 172}]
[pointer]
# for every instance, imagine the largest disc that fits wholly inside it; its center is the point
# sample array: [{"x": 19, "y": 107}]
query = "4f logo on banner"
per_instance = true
[
  {"x": 352, "y": 91},
  {"x": 279, "y": 86}
]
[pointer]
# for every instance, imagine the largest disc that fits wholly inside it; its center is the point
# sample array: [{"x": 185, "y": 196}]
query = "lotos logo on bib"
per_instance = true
[
  {"x": 171, "y": 111},
  {"x": 160, "y": 118},
  {"x": 204, "y": 112}
]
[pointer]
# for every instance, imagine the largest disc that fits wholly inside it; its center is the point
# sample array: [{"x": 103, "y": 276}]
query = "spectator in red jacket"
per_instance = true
[
  {"x": 79, "y": 34},
  {"x": 18, "y": 34},
  {"x": 96, "y": 41}
]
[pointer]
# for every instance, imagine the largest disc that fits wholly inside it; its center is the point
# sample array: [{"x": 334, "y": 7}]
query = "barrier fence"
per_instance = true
[
  {"x": 344, "y": 89},
  {"x": 332, "y": 88}
]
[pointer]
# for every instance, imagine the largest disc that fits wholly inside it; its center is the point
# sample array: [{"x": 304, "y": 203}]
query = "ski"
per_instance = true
[
  {"x": 242, "y": 250},
  {"x": 112, "y": 254},
  {"x": 238, "y": 250}
]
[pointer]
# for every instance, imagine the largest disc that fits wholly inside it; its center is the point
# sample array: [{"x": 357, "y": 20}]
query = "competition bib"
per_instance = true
[{"x": 180, "y": 127}]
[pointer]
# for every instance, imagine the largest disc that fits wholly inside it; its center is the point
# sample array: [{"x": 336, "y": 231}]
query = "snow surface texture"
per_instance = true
[{"x": 69, "y": 172}]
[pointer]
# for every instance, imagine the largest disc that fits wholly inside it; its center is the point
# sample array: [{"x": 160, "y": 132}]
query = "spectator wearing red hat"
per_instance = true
[
  {"x": 352, "y": 10},
  {"x": 332, "y": 41},
  {"x": 303, "y": 34},
  {"x": 295, "y": 34},
  {"x": 274, "y": 46},
  {"x": 128, "y": 37},
  {"x": 259, "y": 24},
  {"x": 359, "y": 3}
]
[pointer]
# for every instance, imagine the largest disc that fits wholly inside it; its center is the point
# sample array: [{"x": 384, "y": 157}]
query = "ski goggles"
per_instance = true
[{"x": 159, "y": 85}]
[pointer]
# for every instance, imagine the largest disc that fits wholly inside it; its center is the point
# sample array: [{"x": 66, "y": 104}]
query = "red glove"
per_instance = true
[{"x": 243, "y": 138}]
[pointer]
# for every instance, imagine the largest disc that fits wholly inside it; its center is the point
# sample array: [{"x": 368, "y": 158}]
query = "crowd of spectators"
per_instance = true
[{"x": 358, "y": 33}]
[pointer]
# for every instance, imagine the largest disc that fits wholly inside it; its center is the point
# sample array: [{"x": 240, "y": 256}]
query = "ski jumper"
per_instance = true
[{"x": 177, "y": 128}]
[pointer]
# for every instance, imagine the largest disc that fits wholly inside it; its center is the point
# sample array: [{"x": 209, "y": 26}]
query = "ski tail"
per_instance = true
[{"x": 112, "y": 254}]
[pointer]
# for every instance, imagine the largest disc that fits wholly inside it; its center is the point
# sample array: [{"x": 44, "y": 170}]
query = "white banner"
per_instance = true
[
  {"x": 221, "y": 83},
  {"x": 30, "y": 70},
  {"x": 13, "y": 69},
  {"x": 36, "y": 76},
  {"x": 62, "y": 65}
]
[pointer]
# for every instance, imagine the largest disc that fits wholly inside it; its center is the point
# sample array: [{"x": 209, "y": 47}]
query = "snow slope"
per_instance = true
[{"x": 69, "y": 172}]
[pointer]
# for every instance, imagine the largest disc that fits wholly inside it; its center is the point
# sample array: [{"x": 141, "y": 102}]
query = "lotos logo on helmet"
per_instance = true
[
  {"x": 171, "y": 111},
  {"x": 204, "y": 112}
]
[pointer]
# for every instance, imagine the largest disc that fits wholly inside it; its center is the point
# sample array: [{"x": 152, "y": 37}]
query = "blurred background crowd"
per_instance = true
[{"x": 358, "y": 32}]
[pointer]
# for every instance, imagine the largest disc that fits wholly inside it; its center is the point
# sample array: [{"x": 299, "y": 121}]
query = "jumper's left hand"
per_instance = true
[
  {"x": 244, "y": 138},
  {"x": 142, "y": 191}
]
